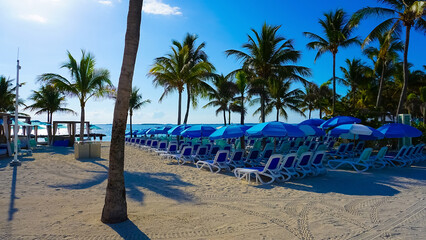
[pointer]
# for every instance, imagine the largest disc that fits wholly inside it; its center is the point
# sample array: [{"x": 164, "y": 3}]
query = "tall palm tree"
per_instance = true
[
  {"x": 194, "y": 84},
  {"x": 115, "y": 208},
  {"x": 324, "y": 98},
  {"x": 242, "y": 85},
  {"x": 310, "y": 98},
  {"x": 7, "y": 94},
  {"x": 338, "y": 31},
  {"x": 354, "y": 75},
  {"x": 386, "y": 53},
  {"x": 48, "y": 100},
  {"x": 281, "y": 98},
  {"x": 135, "y": 103},
  {"x": 86, "y": 81},
  {"x": 401, "y": 13},
  {"x": 269, "y": 55},
  {"x": 221, "y": 94},
  {"x": 176, "y": 70},
  {"x": 423, "y": 99}
]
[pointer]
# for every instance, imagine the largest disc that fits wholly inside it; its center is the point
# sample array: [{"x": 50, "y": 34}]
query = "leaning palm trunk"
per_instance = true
[
  {"x": 224, "y": 117},
  {"x": 405, "y": 71},
  {"x": 188, "y": 104},
  {"x": 179, "y": 108},
  {"x": 115, "y": 208},
  {"x": 243, "y": 143}
]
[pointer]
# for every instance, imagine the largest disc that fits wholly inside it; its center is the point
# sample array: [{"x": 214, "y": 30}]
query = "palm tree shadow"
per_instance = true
[
  {"x": 128, "y": 230},
  {"x": 162, "y": 183}
]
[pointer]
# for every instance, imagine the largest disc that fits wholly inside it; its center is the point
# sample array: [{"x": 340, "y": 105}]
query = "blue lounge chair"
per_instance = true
[
  {"x": 317, "y": 165},
  {"x": 183, "y": 157},
  {"x": 303, "y": 165},
  {"x": 288, "y": 167},
  {"x": 237, "y": 159}
]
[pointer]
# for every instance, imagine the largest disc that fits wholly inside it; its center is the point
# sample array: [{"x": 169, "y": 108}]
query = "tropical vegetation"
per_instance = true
[
  {"x": 86, "y": 81},
  {"x": 136, "y": 102}
]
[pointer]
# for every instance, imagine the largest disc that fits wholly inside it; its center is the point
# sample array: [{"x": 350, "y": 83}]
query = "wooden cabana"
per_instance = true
[{"x": 71, "y": 126}]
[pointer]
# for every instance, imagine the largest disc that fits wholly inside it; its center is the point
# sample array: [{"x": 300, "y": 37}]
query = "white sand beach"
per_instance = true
[{"x": 54, "y": 196}]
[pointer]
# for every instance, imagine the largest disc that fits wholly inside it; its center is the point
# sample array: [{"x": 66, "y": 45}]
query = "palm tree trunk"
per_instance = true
[
  {"x": 131, "y": 130},
  {"x": 405, "y": 72},
  {"x": 115, "y": 208},
  {"x": 229, "y": 116},
  {"x": 179, "y": 108},
  {"x": 224, "y": 117},
  {"x": 278, "y": 114},
  {"x": 82, "y": 113},
  {"x": 262, "y": 108},
  {"x": 320, "y": 113},
  {"x": 379, "y": 93},
  {"x": 334, "y": 84},
  {"x": 310, "y": 113},
  {"x": 242, "y": 140},
  {"x": 188, "y": 102}
]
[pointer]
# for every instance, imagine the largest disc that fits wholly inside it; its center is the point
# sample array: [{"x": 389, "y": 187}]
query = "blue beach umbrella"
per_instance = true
[
  {"x": 274, "y": 129},
  {"x": 177, "y": 129},
  {"x": 311, "y": 130},
  {"x": 339, "y": 120},
  {"x": 356, "y": 131},
  {"x": 313, "y": 122},
  {"x": 198, "y": 131},
  {"x": 162, "y": 130},
  {"x": 399, "y": 130},
  {"x": 231, "y": 131}
]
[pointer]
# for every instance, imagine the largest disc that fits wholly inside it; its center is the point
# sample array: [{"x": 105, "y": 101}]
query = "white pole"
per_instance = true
[{"x": 15, "y": 161}]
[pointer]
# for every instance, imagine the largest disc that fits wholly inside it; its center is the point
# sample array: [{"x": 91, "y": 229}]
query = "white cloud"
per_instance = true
[
  {"x": 105, "y": 2},
  {"x": 159, "y": 8},
  {"x": 33, "y": 18}
]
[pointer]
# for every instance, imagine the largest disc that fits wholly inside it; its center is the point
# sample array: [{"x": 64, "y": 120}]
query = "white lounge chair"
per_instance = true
[
  {"x": 219, "y": 162},
  {"x": 270, "y": 170}
]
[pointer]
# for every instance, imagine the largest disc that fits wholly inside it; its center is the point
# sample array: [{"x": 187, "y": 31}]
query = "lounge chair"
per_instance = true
[
  {"x": 267, "y": 152},
  {"x": 359, "y": 147},
  {"x": 162, "y": 146},
  {"x": 360, "y": 164},
  {"x": 219, "y": 162},
  {"x": 270, "y": 170},
  {"x": 214, "y": 150},
  {"x": 171, "y": 149},
  {"x": 284, "y": 148},
  {"x": 317, "y": 165},
  {"x": 338, "y": 152},
  {"x": 378, "y": 161},
  {"x": 303, "y": 165},
  {"x": 183, "y": 157},
  {"x": 201, "y": 154},
  {"x": 237, "y": 159},
  {"x": 288, "y": 167},
  {"x": 397, "y": 160},
  {"x": 252, "y": 158}
]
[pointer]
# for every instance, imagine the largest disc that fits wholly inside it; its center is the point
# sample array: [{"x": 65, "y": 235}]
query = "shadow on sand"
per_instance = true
[
  {"x": 163, "y": 183},
  {"x": 128, "y": 230}
]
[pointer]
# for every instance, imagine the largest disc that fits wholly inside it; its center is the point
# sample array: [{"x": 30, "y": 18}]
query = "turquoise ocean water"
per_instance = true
[{"x": 106, "y": 128}]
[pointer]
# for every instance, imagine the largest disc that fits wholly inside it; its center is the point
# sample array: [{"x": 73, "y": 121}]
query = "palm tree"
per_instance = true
[
  {"x": 48, "y": 100},
  {"x": 324, "y": 98},
  {"x": 135, "y": 103},
  {"x": 338, "y": 33},
  {"x": 7, "y": 95},
  {"x": 115, "y": 208},
  {"x": 386, "y": 53},
  {"x": 86, "y": 81},
  {"x": 423, "y": 99},
  {"x": 354, "y": 75},
  {"x": 194, "y": 83},
  {"x": 310, "y": 98},
  {"x": 269, "y": 55},
  {"x": 242, "y": 86},
  {"x": 402, "y": 13},
  {"x": 281, "y": 97},
  {"x": 221, "y": 95},
  {"x": 176, "y": 70}
]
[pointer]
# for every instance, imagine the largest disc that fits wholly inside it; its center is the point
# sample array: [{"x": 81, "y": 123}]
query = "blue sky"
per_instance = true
[{"x": 45, "y": 29}]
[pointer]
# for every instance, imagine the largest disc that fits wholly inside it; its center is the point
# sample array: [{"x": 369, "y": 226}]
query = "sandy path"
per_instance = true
[{"x": 53, "y": 196}]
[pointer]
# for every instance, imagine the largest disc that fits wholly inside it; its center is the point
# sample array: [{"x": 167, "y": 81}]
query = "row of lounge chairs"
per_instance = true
[{"x": 282, "y": 162}]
